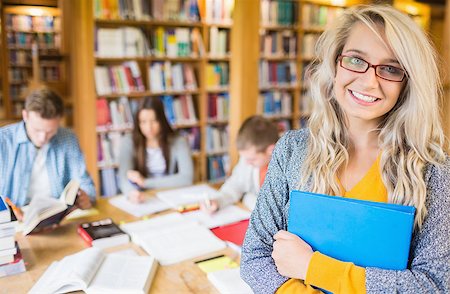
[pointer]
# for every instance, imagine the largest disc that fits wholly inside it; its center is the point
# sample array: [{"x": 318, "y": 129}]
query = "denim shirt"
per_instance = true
[{"x": 64, "y": 162}]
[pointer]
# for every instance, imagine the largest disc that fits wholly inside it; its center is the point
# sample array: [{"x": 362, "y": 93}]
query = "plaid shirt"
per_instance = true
[{"x": 64, "y": 162}]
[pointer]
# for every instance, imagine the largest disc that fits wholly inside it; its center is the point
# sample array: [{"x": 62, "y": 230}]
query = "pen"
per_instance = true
[
  {"x": 186, "y": 208},
  {"x": 207, "y": 201},
  {"x": 15, "y": 209}
]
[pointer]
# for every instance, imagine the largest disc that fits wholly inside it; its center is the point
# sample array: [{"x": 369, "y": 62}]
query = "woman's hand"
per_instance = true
[
  {"x": 136, "y": 197},
  {"x": 291, "y": 255},
  {"x": 136, "y": 177}
]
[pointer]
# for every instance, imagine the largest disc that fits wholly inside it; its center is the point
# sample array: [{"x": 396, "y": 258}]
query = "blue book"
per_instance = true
[
  {"x": 5, "y": 214},
  {"x": 369, "y": 234}
]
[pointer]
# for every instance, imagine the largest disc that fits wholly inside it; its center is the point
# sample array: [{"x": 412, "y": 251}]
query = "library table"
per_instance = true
[{"x": 40, "y": 250}]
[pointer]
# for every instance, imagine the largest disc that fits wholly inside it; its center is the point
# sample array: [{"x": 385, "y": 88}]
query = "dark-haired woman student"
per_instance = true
[{"x": 154, "y": 156}]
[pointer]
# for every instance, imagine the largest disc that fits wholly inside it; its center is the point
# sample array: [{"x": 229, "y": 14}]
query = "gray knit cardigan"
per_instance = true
[{"x": 429, "y": 259}]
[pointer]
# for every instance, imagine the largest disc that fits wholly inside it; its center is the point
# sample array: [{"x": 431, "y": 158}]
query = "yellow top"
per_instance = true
[{"x": 329, "y": 273}]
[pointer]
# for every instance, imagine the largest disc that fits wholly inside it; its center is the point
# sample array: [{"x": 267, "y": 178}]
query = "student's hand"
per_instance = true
[
  {"x": 83, "y": 201},
  {"x": 136, "y": 177},
  {"x": 291, "y": 255},
  {"x": 136, "y": 197},
  {"x": 211, "y": 208}
]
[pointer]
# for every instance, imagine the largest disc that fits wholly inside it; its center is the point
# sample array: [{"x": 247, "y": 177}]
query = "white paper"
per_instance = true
[
  {"x": 187, "y": 195},
  {"x": 227, "y": 215},
  {"x": 150, "y": 206}
]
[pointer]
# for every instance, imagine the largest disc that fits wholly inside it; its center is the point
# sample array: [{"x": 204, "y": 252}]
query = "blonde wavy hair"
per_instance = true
[{"x": 406, "y": 146}]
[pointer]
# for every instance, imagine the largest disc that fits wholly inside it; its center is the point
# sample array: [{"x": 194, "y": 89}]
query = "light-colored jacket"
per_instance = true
[
  {"x": 243, "y": 183},
  {"x": 428, "y": 268},
  {"x": 180, "y": 172}
]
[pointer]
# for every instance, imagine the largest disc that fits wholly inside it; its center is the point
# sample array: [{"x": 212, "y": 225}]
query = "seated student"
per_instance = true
[
  {"x": 374, "y": 76},
  {"x": 38, "y": 157},
  {"x": 154, "y": 156},
  {"x": 255, "y": 142}
]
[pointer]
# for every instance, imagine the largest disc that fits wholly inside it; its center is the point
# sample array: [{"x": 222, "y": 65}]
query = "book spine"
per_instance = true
[{"x": 84, "y": 235}]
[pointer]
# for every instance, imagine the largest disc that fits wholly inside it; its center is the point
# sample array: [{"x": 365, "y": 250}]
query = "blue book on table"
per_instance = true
[{"x": 369, "y": 234}]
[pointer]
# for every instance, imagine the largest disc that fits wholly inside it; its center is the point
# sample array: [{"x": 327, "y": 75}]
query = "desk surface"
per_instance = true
[{"x": 39, "y": 250}]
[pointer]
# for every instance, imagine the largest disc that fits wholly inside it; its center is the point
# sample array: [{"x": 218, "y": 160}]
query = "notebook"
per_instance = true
[{"x": 369, "y": 234}]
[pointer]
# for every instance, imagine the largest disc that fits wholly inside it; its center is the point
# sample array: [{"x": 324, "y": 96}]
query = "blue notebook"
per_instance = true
[{"x": 369, "y": 234}]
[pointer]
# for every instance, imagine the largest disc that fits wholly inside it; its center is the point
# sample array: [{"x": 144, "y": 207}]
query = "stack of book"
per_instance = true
[{"x": 11, "y": 261}]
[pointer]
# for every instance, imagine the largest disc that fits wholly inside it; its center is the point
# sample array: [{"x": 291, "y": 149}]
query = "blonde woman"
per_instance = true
[{"x": 374, "y": 135}]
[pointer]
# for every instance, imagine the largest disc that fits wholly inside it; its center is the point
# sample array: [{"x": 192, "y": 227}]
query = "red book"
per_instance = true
[
  {"x": 102, "y": 234},
  {"x": 103, "y": 114},
  {"x": 234, "y": 232}
]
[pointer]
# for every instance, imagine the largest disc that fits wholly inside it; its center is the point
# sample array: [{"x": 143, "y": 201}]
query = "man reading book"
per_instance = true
[
  {"x": 38, "y": 157},
  {"x": 255, "y": 142}
]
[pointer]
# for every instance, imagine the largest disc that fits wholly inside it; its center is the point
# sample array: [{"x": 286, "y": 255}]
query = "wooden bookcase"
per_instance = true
[
  {"x": 33, "y": 53},
  {"x": 204, "y": 61}
]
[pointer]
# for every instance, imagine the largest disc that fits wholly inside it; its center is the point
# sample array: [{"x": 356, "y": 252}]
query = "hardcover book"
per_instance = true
[{"x": 103, "y": 233}]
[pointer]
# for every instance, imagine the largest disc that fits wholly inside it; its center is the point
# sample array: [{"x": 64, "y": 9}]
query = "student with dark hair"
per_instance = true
[
  {"x": 255, "y": 142},
  {"x": 38, "y": 157},
  {"x": 154, "y": 156}
]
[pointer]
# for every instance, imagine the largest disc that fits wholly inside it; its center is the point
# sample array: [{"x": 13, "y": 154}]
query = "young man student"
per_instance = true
[
  {"x": 255, "y": 142},
  {"x": 38, "y": 157}
]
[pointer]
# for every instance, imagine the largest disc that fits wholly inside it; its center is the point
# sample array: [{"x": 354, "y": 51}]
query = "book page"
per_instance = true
[
  {"x": 172, "y": 238},
  {"x": 69, "y": 194},
  {"x": 124, "y": 273},
  {"x": 150, "y": 206},
  {"x": 187, "y": 195},
  {"x": 72, "y": 273},
  {"x": 40, "y": 209},
  {"x": 227, "y": 215},
  {"x": 228, "y": 281}
]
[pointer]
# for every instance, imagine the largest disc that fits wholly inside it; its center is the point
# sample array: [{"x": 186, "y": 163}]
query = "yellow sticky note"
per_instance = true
[{"x": 216, "y": 263}]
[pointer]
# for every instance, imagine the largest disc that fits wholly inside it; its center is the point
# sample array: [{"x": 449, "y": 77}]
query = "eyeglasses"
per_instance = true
[{"x": 384, "y": 71}]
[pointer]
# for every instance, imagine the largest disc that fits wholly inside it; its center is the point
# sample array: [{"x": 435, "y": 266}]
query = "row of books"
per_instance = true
[
  {"x": 11, "y": 261},
  {"x": 279, "y": 12},
  {"x": 216, "y": 139},
  {"x": 50, "y": 73},
  {"x": 165, "y": 76},
  {"x": 218, "y": 167},
  {"x": 115, "y": 114},
  {"x": 218, "y": 106},
  {"x": 108, "y": 149},
  {"x": 124, "y": 78},
  {"x": 273, "y": 73},
  {"x": 306, "y": 103},
  {"x": 18, "y": 74},
  {"x": 177, "y": 42},
  {"x": 217, "y": 74},
  {"x": 109, "y": 182},
  {"x": 37, "y": 23},
  {"x": 217, "y": 11},
  {"x": 275, "y": 103},
  {"x": 185, "y": 10},
  {"x": 219, "y": 42},
  {"x": 308, "y": 45},
  {"x": 121, "y": 42},
  {"x": 179, "y": 110},
  {"x": 318, "y": 16},
  {"x": 24, "y": 40},
  {"x": 278, "y": 43}
]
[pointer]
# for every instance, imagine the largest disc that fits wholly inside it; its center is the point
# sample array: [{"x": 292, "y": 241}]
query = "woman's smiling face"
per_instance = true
[{"x": 365, "y": 97}]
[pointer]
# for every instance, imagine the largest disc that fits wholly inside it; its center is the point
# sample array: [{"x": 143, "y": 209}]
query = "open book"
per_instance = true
[
  {"x": 44, "y": 212},
  {"x": 94, "y": 271}
]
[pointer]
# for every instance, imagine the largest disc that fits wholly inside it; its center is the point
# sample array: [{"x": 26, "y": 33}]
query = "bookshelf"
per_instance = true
[
  {"x": 33, "y": 53},
  {"x": 160, "y": 49}
]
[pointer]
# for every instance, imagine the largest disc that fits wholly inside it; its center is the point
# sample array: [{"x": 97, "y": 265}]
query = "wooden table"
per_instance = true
[{"x": 40, "y": 250}]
